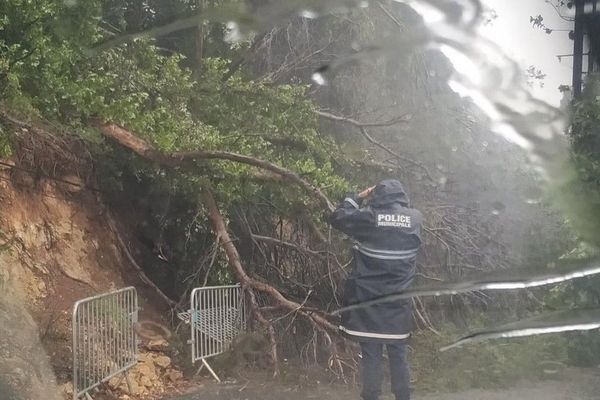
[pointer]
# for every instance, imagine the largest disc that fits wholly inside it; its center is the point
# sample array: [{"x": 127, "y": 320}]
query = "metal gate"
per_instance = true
[
  {"x": 217, "y": 315},
  {"x": 104, "y": 339}
]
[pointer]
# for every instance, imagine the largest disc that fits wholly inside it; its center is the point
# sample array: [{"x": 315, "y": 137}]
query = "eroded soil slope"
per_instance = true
[{"x": 56, "y": 247}]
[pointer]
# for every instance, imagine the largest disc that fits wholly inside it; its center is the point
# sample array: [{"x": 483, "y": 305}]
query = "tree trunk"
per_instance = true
[{"x": 199, "y": 45}]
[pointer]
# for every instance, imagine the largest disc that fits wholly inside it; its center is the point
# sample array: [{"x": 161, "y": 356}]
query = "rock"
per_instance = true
[
  {"x": 115, "y": 382},
  {"x": 174, "y": 375},
  {"x": 67, "y": 389},
  {"x": 162, "y": 361},
  {"x": 145, "y": 358},
  {"x": 157, "y": 345},
  {"x": 76, "y": 272},
  {"x": 72, "y": 183},
  {"x": 146, "y": 381},
  {"x": 146, "y": 370},
  {"x": 124, "y": 397},
  {"x": 120, "y": 383},
  {"x": 136, "y": 389}
]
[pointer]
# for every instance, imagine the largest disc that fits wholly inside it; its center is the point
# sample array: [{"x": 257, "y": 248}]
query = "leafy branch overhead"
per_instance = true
[
  {"x": 201, "y": 123},
  {"x": 144, "y": 149},
  {"x": 138, "y": 86}
]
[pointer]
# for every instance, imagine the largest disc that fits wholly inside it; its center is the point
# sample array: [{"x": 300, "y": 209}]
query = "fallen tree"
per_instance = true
[{"x": 319, "y": 320}]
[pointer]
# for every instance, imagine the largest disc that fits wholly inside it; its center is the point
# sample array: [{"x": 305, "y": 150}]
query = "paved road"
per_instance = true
[{"x": 573, "y": 385}]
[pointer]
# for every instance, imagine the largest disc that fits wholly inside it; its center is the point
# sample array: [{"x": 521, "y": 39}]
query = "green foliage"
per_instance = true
[
  {"x": 582, "y": 192},
  {"x": 151, "y": 95},
  {"x": 585, "y": 134},
  {"x": 41, "y": 43},
  {"x": 45, "y": 64},
  {"x": 583, "y": 348},
  {"x": 48, "y": 71},
  {"x": 578, "y": 194}
]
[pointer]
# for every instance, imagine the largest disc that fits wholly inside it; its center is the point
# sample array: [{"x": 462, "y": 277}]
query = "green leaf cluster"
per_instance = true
[
  {"x": 581, "y": 196},
  {"x": 50, "y": 70}
]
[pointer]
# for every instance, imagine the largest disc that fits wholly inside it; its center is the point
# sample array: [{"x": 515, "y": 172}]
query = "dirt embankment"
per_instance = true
[{"x": 56, "y": 247}]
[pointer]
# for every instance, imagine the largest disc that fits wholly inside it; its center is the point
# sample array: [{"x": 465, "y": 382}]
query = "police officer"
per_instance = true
[{"x": 387, "y": 235}]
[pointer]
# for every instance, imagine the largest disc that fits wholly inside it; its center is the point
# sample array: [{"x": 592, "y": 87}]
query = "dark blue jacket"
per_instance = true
[{"x": 387, "y": 234}]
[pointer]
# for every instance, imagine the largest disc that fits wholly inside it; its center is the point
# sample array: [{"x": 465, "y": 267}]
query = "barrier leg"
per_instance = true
[
  {"x": 128, "y": 382},
  {"x": 87, "y": 396},
  {"x": 205, "y": 364}
]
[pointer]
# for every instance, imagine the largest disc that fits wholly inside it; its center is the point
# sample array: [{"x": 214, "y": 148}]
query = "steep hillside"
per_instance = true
[{"x": 58, "y": 247}]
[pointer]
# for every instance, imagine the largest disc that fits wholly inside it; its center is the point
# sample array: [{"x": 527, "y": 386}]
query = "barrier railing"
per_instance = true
[
  {"x": 104, "y": 339},
  {"x": 217, "y": 315}
]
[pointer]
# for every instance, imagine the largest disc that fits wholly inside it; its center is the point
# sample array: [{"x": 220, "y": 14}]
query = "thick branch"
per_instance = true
[
  {"x": 313, "y": 227},
  {"x": 235, "y": 263},
  {"x": 143, "y": 148}
]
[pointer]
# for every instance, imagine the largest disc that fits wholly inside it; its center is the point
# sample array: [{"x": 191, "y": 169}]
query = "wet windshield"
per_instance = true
[{"x": 255, "y": 199}]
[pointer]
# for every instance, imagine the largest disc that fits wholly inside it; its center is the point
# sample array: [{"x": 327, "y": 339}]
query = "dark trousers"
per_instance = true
[{"x": 372, "y": 360}]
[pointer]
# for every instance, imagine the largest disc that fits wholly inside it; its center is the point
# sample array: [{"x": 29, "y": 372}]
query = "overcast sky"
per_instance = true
[{"x": 513, "y": 31}]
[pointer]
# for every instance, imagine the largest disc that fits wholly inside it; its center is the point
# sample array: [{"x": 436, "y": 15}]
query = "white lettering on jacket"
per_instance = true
[{"x": 394, "y": 220}]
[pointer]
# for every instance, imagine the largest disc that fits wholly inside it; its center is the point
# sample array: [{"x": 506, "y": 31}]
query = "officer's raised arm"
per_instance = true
[{"x": 349, "y": 217}]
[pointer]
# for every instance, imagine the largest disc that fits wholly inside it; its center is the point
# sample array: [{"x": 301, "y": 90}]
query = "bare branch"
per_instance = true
[
  {"x": 404, "y": 118},
  {"x": 289, "y": 245},
  {"x": 391, "y": 16},
  {"x": 362, "y": 127}
]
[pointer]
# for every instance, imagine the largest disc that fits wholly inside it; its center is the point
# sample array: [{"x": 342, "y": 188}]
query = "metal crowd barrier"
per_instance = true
[
  {"x": 104, "y": 339},
  {"x": 217, "y": 315}
]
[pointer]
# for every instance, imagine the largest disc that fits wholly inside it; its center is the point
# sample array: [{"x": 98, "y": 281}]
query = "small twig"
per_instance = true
[
  {"x": 295, "y": 312},
  {"x": 277, "y": 242},
  {"x": 429, "y": 277},
  {"x": 244, "y": 387},
  {"x": 391, "y": 16},
  {"x": 405, "y": 118},
  {"x": 423, "y": 319}
]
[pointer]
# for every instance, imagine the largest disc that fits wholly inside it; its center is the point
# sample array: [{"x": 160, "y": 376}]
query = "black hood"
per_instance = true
[{"x": 387, "y": 192}]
